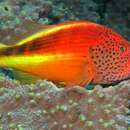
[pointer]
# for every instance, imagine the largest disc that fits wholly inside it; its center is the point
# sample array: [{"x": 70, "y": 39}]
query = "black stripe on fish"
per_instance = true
[{"x": 12, "y": 51}]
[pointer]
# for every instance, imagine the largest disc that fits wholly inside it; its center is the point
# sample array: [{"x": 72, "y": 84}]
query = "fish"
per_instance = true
[{"x": 75, "y": 53}]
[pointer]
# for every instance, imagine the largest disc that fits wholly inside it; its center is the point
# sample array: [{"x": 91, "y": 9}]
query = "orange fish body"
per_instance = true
[{"x": 74, "y": 52}]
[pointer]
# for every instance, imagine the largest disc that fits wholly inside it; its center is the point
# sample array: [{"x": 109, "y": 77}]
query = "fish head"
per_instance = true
[{"x": 111, "y": 58}]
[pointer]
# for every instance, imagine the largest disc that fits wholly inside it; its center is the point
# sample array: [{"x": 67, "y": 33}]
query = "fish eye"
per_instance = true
[{"x": 122, "y": 49}]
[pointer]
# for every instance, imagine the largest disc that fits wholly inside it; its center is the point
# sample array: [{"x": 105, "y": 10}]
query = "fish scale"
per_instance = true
[{"x": 76, "y": 53}]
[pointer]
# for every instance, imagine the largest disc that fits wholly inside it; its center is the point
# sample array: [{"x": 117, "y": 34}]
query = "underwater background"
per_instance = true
[{"x": 28, "y": 103}]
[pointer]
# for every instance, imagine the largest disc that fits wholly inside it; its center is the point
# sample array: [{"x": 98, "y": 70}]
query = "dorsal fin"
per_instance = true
[
  {"x": 29, "y": 30},
  {"x": 50, "y": 29}
]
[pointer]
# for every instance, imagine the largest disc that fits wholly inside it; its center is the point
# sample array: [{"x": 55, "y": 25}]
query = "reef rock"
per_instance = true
[{"x": 44, "y": 106}]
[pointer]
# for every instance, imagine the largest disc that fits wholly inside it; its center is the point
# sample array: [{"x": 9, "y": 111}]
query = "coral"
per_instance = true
[
  {"x": 43, "y": 106},
  {"x": 46, "y": 11}
]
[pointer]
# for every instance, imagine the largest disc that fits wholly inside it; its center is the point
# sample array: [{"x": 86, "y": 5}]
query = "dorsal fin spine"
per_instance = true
[{"x": 51, "y": 30}]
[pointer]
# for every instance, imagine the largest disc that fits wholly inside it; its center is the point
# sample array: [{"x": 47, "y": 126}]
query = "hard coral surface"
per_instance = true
[{"x": 44, "y": 106}]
